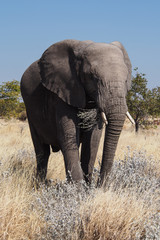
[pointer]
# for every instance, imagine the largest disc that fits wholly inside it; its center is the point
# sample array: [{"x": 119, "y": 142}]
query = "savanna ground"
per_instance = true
[{"x": 126, "y": 208}]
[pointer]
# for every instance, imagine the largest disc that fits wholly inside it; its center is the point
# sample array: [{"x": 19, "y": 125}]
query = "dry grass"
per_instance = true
[
  {"x": 15, "y": 137},
  {"x": 20, "y": 217},
  {"x": 127, "y": 209},
  {"x": 113, "y": 216},
  {"x": 145, "y": 140}
]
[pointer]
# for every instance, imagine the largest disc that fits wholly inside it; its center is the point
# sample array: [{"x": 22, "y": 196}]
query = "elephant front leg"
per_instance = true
[
  {"x": 68, "y": 135},
  {"x": 72, "y": 165},
  {"x": 90, "y": 143}
]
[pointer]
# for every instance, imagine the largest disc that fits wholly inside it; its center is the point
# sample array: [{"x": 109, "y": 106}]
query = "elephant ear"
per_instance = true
[{"x": 59, "y": 73}]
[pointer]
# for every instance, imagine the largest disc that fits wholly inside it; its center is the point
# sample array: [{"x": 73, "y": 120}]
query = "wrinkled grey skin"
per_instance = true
[{"x": 74, "y": 75}]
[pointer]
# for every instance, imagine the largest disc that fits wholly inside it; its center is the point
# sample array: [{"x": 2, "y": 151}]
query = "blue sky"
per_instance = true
[{"x": 28, "y": 27}]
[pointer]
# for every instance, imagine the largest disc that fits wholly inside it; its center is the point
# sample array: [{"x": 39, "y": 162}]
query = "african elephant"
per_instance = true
[{"x": 73, "y": 75}]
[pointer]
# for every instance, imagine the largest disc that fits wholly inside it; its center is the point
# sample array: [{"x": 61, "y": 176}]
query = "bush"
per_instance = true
[{"x": 11, "y": 104}]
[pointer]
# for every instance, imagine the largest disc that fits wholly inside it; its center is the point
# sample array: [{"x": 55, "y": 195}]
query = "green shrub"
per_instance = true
[{"x": 11, "y": 104}]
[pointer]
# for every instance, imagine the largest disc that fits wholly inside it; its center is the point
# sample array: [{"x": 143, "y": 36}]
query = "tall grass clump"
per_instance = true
[{"x": 20, "y": 215}]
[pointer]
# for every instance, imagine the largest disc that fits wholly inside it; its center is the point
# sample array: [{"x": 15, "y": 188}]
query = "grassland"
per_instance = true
[{"x": 127, "y": 208}]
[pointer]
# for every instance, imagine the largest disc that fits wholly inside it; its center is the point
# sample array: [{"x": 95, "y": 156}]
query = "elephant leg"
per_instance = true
[
  {"x": 70, "y": 151},
  {"x": 90, "y": 143},
  {"x": 68, "y": 135},
  {"x": 42, "y": 151},
  {"x": 72, "y": 166},
  {"x": 42, "y": 156}
]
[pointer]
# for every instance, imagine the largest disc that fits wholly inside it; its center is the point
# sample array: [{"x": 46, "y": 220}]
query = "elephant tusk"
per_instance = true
[
  {"x": 130, "y": 117},
  {"x": 104, "y": 118}
]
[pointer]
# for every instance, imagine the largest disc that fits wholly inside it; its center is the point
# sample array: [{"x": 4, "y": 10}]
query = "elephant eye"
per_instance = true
[{"x": 94, "y": 78}]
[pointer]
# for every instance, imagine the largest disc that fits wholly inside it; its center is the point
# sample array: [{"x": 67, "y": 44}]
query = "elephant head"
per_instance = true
[{"x": 80, "y": 70}]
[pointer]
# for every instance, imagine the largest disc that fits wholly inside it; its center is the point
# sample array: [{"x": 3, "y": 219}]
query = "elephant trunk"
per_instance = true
[{"x": 115, "y": 117}]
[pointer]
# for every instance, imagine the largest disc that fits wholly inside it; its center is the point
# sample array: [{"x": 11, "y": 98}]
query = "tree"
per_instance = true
[
  {"x": 137, "y": 98},
  {"x": 154, "y": 102},
  {"x": 10, "y": 99}
]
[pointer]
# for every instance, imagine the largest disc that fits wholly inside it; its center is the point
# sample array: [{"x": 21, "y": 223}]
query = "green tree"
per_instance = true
[
  {"x": 154, "y": 102},
  {"x": 137, "y": 98},
  {"x": 10, "y": 99}
]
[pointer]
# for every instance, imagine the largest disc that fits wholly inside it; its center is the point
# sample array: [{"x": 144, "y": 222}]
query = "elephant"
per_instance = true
[{"x": 70, "y": 76}]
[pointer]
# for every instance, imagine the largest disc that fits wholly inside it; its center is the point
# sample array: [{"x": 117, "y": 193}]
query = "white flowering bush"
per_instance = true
[{"x": 68, "y": 208}]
